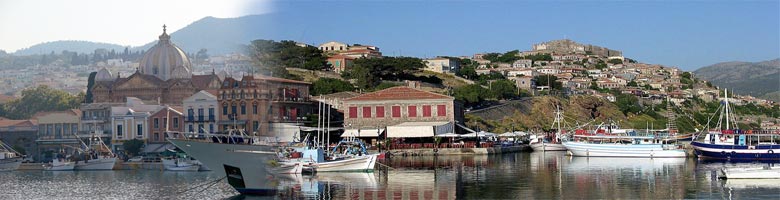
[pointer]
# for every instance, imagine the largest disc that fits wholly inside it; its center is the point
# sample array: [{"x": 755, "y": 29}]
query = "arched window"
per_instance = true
[{"x": 155, "y": 70}]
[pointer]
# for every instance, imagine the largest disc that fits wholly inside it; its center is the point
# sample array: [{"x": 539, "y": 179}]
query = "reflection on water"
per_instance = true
[{"x": 511, "y": 176}]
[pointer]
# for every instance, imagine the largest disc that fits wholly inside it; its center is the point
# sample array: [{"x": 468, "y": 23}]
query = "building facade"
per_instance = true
[
  {"x": 21, "y": 135},
  {"x": 131, "y": 121},
  {"x": 165, "y": 123},
  {"x": 55, "y": 131},
  {"x": 201, "y": 113},
  {"x": 441, "y": 65}
]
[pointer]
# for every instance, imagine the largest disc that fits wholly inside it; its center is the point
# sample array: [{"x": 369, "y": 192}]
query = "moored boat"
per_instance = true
[
  {"x": 619, "y": 149},
  {"x": 725, "y": 141},
  {"x": 180, "y": 164},
  {"x": 95, "y": 155},
  {"x": 60, "y": 164},
  {"x": 765, "y": 172},
  {"x": 550, "y": 142},
  {"x": 10, "y": 160}
]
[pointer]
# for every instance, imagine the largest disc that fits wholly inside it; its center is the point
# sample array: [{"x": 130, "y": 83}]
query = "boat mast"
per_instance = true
[{"x": 727, "y": 110}]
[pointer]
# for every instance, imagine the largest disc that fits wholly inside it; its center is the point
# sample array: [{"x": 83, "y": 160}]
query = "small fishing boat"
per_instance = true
[
  {"x": 548, "y": 142},
  {"x": 95, "y": 156},
  {"x": 10, "y": 160},
  {"x": 180, "y": 164},
  {"x": 765, "y": 172},
  {"x": 623, "y": 146},
  {"x": 61, "y": 163},
  {"x": 727, "y": 142}
]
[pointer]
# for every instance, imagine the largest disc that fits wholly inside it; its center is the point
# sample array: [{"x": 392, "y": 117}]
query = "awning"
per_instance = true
[
  {"x": 157, "y": 148},
  {"x": 447, "y": 135},
  {"x": 362, "y": 132},
  {"x": 419, "y": 129}
]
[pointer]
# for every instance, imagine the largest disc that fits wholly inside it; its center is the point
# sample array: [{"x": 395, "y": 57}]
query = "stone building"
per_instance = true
[
  {"x": 263, "y": 105},
  {"x": 55, "y": 131},
  {"x": 20, "y": 134},
  {"x": 165, "y": 123},
  {"x": 411, "y": 109},
  {"x": 164, "y": 75}
]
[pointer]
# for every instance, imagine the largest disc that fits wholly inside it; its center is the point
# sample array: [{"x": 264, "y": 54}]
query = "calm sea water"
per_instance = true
[{"x": 510, "y": 176}]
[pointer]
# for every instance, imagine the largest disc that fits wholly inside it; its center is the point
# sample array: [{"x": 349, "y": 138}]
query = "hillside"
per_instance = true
[
  {"x": 69, "y": 45},
  {"x": 759, "y": 79}
]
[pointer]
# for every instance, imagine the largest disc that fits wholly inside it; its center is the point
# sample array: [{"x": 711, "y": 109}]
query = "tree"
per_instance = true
[
  {"x": 369, "y": 72},
  {"x": 548, "y": 80},
  {"x": 273, "y": 57},
  {"x": 632, "y": 84},
  {"x": 90, "y": 84},
  {"x": 470, "y": 94},
  {"x": 133, "y": 147},
  {"x": 615, "y": 61},
  {"x": 329, "y": 86},
  {"x": 503, "y": 89},
  {"x": 41, "y": 98},
  {"x": 627, "y": 103}
]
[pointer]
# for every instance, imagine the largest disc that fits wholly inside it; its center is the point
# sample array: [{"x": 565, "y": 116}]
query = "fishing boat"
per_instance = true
[
  {"x": 550, "y": 142},
  {"x": 726, "y": 141},
  {"x": 350, "y": 155},
  {"x": 622, "y": 144},
  {"x": 95, "y": 156},
  {"x": 60, "y": 163},
  {"x": 10, "y": 160},
  {"x": 180, "y": 164},
  {"x": 765, "y": 172}
]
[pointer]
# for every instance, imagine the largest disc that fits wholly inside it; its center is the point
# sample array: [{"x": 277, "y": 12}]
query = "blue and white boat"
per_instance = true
[{"x": 727, "y": 142}]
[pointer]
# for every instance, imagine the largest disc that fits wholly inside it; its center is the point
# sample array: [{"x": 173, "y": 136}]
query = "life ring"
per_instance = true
[
  {"x": 723, "y": 139},
  {"x": 770, "y": 151},
  {"x": 733, "y": 153},
  {"x": 723, "y": 153}
]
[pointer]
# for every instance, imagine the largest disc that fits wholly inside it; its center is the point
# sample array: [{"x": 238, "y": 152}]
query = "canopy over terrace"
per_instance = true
[
  {"x": 362, "y": 132},
  {"x": 419, "y": 129}
]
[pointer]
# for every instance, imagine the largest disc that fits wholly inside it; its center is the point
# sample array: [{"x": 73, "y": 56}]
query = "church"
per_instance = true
[{"x": 164, "y": 75}]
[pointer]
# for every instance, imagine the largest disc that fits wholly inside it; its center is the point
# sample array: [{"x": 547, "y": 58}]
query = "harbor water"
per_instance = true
[{"x": 539, "y": 175}]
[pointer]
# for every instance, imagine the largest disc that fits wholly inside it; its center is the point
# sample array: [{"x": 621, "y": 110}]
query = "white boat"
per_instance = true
[
  {"x": 288, "y": 167},
  {"x": 96, "y": 155},
  {"x": 100, "y": 163},
  {"x": 364, "y": 163},
  {"x": 60, "y": 164},
  {"x": 553, "y": 142},
  {"x": 248, "y": 163},
  {"x": 180, "y": 164},
  {"x": 752, "y": 173},
  {"x": 615, "y": 146},
  {"x": 10, "y": 160}
]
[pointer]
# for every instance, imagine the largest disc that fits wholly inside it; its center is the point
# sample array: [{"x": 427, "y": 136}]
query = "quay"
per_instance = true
[
  {"x": 119, "y": 166},
  {"x": 459, "y": 151}
]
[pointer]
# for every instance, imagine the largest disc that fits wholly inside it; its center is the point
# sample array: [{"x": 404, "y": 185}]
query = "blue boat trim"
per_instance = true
[{"x": 258, "y": 192}]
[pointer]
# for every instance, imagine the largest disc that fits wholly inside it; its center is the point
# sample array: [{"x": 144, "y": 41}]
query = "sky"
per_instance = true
[
  {"x": 24, "y": 23},
  {"x": 686, "y": 34}
]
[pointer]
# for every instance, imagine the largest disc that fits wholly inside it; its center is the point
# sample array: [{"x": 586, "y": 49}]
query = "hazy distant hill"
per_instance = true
[
  {"x": 69, "y": 45},
  {"x": 221, "y": 35},
  {"x": 759, "y": 79}
]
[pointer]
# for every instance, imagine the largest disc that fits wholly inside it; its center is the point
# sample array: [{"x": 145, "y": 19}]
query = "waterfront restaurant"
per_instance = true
[{"x": 401, "y": 112}]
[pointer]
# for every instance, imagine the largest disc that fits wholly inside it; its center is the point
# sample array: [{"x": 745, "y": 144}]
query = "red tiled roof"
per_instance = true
[
  {"x": 76, "y": 112},
  {"x": 398, "y": 93},
  {"x": 202, "y": 81},
  {"x": 275, "y": 79},
  {"x": 7, "y": 123}
]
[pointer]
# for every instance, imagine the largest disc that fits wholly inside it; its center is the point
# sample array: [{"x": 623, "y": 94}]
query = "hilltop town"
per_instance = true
[{"x": 144, "y": 96}]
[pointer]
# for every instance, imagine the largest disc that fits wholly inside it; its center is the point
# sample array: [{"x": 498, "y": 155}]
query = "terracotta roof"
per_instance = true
[
  {"x": 6, "y": 98},
  {"x": 202, "y": 81},
  {"x": 275, "y": 79},
  {"x": 26, "y": 122},
  {"x": 398, "y": 93},
  {"x": 76, "y": 112},
  {"x": 150, "y": 78}
]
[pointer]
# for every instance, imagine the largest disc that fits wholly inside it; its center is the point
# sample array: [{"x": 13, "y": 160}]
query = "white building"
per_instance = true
[
  {"x": 523, "y": 63},
  {"x": 523, "y": 72},
  {"x": 130, "y": 121},
  {"x": 441, "y": 65},
  {"x": 200, "y": 113}
]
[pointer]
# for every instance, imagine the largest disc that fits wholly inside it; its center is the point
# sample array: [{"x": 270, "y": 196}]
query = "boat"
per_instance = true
[
  {"x": 250, "y": 163},
  {"x": 550, "y": 142},
  {"x": 61, "y": 163},
  {"x": 765, "y": 172},
  {"x": 628, "y": 144},
  {"x": 95, "y": 156},
  {"x": 180, "y": 164},
  {"x": 726, "y": 141},
  {"x": 10, "y": 160}
]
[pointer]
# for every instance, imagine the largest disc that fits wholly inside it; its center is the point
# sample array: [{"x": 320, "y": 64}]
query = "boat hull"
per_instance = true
[
  {"x": 96, "y": 164},
  {"x": 752, "y": 173},
  {"x": 247, "y": 167},
  {"x": 623, "y": 150},
  {"x": 172, "y": 165},
  {"x": 541, "y": 146},
  {"x": 10, "y": 164},
  {"x": 736, "y": 152},
  {"x": 364, "y": 163},
  {"x": 60, "y": 166}
]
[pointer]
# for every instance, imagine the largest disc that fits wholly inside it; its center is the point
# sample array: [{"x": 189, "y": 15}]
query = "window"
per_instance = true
[
  {"x": 157, "y": 136},
  {"x": 200, "y": 113},
  {"x": 211, "y": 113},
  {"x": 396, "y": 111},
  {"x": 165, "y": 122},
  {"x": 256, "y": 125},
  {"x": 380, "y": 111},
  {"x": 224, "y": 110},
  {"x": 190, "y": 112},
  {"x": 191, "y": 129},
  {"x": 211, "y": 128},
  {"x": 200, "y": 128},
  {"x": 412, "y": 110},
  {"x": 441, "y": 110},
  {"x": 175, "y": 122},
  {"x": 119, "y": 130},
  {"x": 426, "y": 110},
  {"x": 234, "y": 109},
  {"x": 352, "y": 112},
  {"x": 366, "y": 112},
  {"x": 254, "y": 109},
  {"x": 140, "y": 130},
  {"x": 156, "y": 123},
  {"x": 243, "y": 109}
]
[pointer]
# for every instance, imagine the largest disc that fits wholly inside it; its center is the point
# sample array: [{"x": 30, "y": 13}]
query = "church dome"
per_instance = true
[
  {"x": 164, "y": 58},
  {"x": 104, "y": 75}
]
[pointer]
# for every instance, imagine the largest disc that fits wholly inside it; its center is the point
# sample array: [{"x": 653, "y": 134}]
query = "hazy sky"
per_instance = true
[{"x": 24, "y": 23}]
